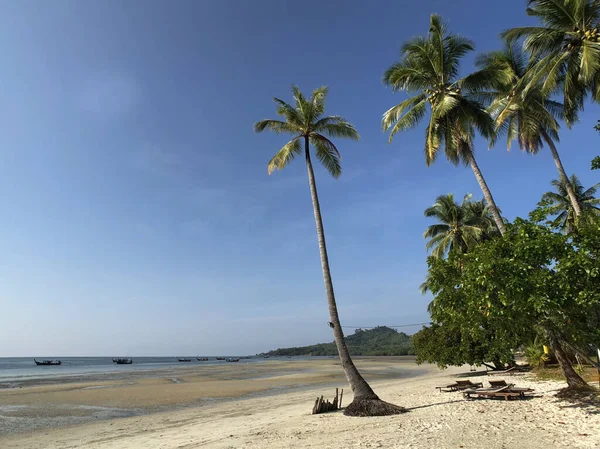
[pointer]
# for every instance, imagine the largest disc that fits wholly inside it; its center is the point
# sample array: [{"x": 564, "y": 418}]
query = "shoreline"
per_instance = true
[
  {"x": 75, "y": 400},
  {"x": 283, "y": 419}
]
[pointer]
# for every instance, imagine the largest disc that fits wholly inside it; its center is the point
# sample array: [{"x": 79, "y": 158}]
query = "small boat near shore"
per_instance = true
[
  {"x": 47, "y": 362},
  {"x": 202, "y": 359},
  {"x": 232, "y": 359},
  {"x": 123, "y": 361},
  {"x": 220, "y": 358},
  {"x": 183, "y": 359}
]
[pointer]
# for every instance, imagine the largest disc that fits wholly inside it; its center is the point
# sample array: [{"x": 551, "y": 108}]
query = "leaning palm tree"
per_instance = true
[
  {"x": 525, "y": 114},
  {"x": 429, "y": 68},
  {"x": 305, "y": 120},
  {"x": 460, "y": 225},
  {"x": 561, "y": 206},
  {"x": 568, "y": 45}
]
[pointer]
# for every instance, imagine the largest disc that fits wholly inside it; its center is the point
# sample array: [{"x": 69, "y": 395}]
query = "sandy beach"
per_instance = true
[{"x": 269, "y": 405}]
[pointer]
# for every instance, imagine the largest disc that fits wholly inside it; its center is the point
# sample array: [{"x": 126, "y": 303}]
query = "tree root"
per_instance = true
[{"x": 372, "y": 407}]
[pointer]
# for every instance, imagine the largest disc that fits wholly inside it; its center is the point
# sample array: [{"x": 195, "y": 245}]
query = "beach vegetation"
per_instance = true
[
  {"x": 532, "y": 278},
  {"x": 521, "y": 110},
  {"x": 428, "y": 70},
  {"x": 566, "y": 45},
  {"x": 557, "y": 203}
]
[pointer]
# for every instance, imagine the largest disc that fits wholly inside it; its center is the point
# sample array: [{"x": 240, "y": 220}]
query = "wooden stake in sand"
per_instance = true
[{"x": 322, "y": 406}]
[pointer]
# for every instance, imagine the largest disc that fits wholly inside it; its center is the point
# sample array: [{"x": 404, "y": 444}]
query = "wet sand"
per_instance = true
[
  {"x": 282, "y": 419},
  {"x": 65, "y": 401}
]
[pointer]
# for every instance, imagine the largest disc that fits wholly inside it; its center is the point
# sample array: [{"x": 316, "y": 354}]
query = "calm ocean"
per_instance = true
[{"x": 15, "y": 369}]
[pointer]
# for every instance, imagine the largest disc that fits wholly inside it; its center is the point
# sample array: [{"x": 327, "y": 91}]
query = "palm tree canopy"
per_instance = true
[
  {"x": 568, "y": 45},
  {"x": 429, "y": 68},
  {"x": 522, "y": 112},
  {"x": 305, "y": 119},
  {"x": 460, "y": 225},
  {"x": 561, "y": 206}
]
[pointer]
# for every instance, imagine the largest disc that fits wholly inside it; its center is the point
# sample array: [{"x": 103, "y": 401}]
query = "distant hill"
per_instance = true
[{"x": 380, "y": 340}]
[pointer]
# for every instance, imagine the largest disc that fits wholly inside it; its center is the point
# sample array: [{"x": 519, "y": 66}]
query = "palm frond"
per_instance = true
[
  {"x": 415, "y": 108},
  {"x": 285, "y": 155},
  {"x": 435, "y": 229},
  {"x": 337, "y": 128},
  {"x": 302, "y": 106},
  {"x": 289, "y": 113},
  {"x": 327, "y": 153},
  {"x": 276, "y": 126}
]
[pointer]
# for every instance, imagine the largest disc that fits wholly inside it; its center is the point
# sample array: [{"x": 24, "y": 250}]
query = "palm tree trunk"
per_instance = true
[
  {"x": 365, "y": 402},
  {"x": 359, "y": 386},
  {"x": 487, "y": 194},
  {"x": 562, "y": 174}
]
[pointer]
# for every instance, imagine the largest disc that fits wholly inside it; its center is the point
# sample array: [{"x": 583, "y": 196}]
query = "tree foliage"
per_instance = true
[
  {"x": 558, "y": 203},
  {"x": 429, "y": 68},
  {"x": 449, "y": 345},
  {"x": 567, "y": 45},
  {"x": 459, "y": 227},
  {"x": 533, "y": 277},
  {"x": 305, "y": 119},
  {"x": 524, "y": 113}
]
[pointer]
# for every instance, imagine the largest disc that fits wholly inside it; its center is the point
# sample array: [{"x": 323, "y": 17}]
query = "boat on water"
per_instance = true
[
  {"x": 220, "y": 358},
  {"x": 232, "y": 359},
  {"x": 183, "y": 359},
  {"x": 47, "y": 362},
  {"x": 202, "y": 359},
  {"x": 123, "y": 361}
]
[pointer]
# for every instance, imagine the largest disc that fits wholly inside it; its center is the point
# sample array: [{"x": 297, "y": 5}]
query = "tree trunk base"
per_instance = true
[{"x": 372, "y": 407}]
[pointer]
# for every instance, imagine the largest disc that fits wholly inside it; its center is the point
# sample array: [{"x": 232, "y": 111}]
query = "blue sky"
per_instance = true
[{"x": 137, "y": 214}]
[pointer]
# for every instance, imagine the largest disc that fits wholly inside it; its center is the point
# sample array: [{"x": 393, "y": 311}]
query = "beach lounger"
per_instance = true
[
  {"x": 510, "y": 371},
  {"x": 460, "y": 385},
  {"x": 506, "y": 392},
  {"x": 502, "y": 383}
]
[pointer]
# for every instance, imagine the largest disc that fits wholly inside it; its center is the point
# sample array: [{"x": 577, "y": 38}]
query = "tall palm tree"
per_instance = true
[
  {"x": 429, "y": 68},
  {"x": 561, "y": 206},
  {"x": 526, "y": 114},
  {"x": 568, "y": 45},
  {"x": 460, "y": 225},
  {"x": 305, "y": 120}
]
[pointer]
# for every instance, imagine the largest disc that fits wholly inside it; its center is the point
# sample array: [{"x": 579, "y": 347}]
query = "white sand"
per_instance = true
[{"x": 436, "y": 420}]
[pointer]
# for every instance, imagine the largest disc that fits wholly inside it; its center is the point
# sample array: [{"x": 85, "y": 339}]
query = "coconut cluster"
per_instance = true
[
  {"x": 588, "y": 35},
  {"x": 434, "y": 94}
]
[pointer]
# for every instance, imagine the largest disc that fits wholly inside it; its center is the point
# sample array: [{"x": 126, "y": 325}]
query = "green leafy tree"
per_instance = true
[
  {"x": 448, "y": 345},
  {"x": 532, "y": 278},
  {"x": 308, "y": 125},
  {"x": 460, "y": 225},
  {"x": 568, "y": 47},
  {"x": 429, "y": 69},
  {"x": 558, "y": 203},
  {"x": 524, "y": 114}
]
